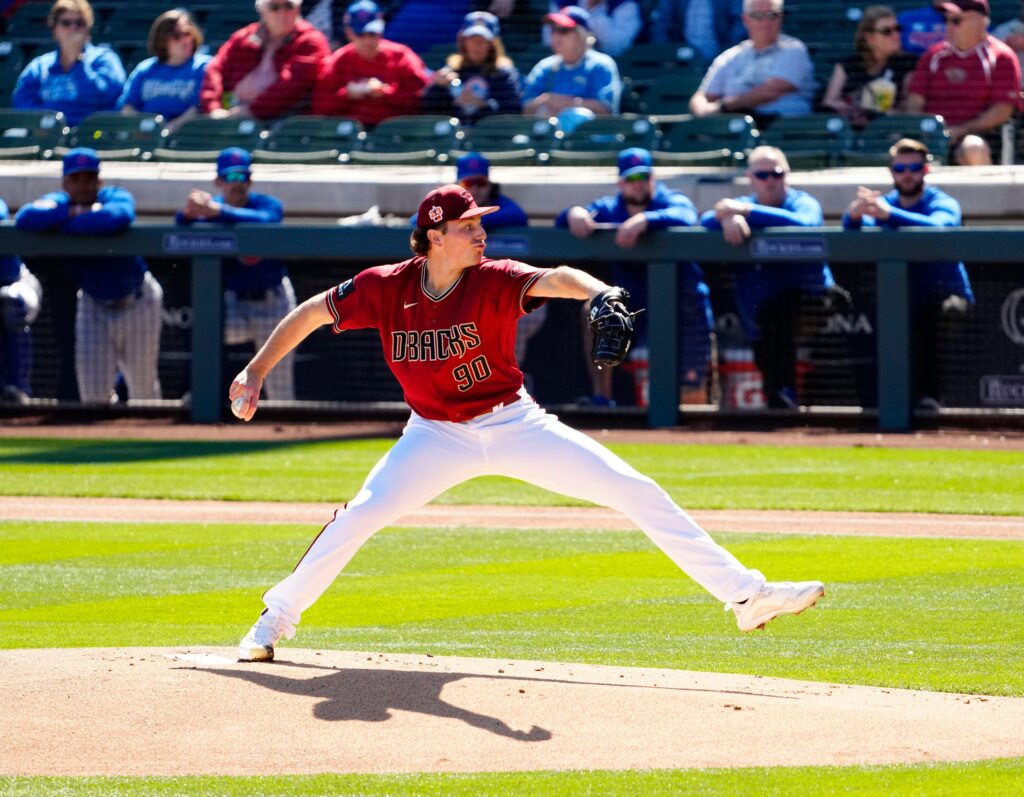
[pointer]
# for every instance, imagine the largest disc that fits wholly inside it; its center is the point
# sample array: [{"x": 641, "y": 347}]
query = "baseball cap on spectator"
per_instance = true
[
  {"x": 569, "y": 17},
  {"x": 449, "y": 203},
  {"x": 472, "y": 164},
  {"x": 364, "y": 16},
  {"x": 81, "y": 159},
  {"x": 634, "y": 160},
  {"x": 233, "y": 160},
  {"x": 481, "y": 23},
  {"x": 960, "y": 6}
]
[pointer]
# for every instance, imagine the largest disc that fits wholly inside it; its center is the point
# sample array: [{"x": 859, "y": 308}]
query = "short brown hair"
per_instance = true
[
  {"x": 162, "y": 27},
  {"x": 907, "y": 146},
  {"x": 61, "y": 7},
  {"x": 418, "y": 241}
]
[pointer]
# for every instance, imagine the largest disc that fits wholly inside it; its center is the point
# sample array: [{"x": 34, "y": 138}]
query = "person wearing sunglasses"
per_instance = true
[
  {"x": 77, "y": 78},
  {"x": 640, "y": 205},
  {"x": 168, "y": 82},
  {"x": 972, "y": 80},
  {"x": 268, "y": 69},
  {"x": 940, "y": 293},
  {"x": 871, "y": 81},
  {"x": 774, "y": 300},
  {"x": 768, "y": 75},
  {"x": 257, "y": 290}
]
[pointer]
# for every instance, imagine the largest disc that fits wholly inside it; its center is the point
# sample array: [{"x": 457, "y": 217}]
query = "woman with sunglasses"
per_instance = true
[
  {"x": 168, "y": 83},
  {"x": 77, "y": 78},
  {"x": 871, "y": 81}
]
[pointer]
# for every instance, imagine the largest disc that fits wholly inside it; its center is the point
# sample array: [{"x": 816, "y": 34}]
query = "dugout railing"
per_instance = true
[{"x": 890, "y": 252}]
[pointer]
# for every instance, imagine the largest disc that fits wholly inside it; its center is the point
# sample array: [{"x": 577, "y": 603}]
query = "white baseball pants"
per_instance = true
[{"x": 248, "y": 320}]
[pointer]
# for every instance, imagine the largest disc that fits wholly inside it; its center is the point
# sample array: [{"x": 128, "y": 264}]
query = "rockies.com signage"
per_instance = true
[
  {"x": 788, "y": 248},
  {"x": 201, "y": 243}
]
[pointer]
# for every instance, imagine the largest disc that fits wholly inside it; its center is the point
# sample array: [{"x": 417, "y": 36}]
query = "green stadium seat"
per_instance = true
[
  {"x": 202, "y": 138},
  {"x": 403, "y": 140},
  {"x": 650, "y": 63},
  {"x": 707, "y": 141},
  {"x": 311, "y": 139},
  {"x": 127, "y": 23},
  {"x": 871, "y": 145},
  {"x": 597, "y": 142},
  {"x": 30, "y": 134},
  {"x": 117, "y": 136},
  {"x": 512, "y": 140},
  {"x": 815, "y": 141},
  {"x": 670, "y": 95}
]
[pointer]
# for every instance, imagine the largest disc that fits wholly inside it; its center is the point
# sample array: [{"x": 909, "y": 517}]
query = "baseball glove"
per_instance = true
[{"x": 612, "y": 325}]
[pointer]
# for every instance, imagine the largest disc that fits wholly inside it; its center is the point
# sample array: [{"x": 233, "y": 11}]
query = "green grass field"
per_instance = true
[{"x": 919, "y": 613}]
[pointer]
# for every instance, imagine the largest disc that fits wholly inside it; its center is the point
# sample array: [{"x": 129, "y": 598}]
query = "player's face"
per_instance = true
[
  {"x": 236, "y": 192},
  {"x": 637, "y": 189},
  {"x": 768, "y": 179},
  {"x": 464, "y": 242},
  {"x": 479, "y": 188},
  {"x": 82, "y": 188},
  {"x": 367, "y": 44},
  {"x": 908, "y": 171}
]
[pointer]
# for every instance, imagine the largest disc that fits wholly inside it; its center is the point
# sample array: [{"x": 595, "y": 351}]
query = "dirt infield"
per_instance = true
[{"x": 151, "y": 711}]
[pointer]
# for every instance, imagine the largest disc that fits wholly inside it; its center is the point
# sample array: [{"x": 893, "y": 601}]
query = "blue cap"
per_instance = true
[
  {"x": 233, "y": 159},
  {"x": 81, "y": 159},
  {"x": 472, "y": 164},
  {"x": 570, "y": 17},
  {"x": 635, "y": 160},
  {"x": 364, "y": 16},
  {"x": 481, "y": 23}
]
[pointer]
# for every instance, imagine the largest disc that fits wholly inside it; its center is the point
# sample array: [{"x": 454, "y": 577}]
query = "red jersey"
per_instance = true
[
  {"x": 961, "y": 85},
  {"x": 452, "y": 354}
]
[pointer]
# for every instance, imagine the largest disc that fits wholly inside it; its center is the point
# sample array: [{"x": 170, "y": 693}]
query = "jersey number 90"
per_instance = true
[{"x": 468, "y": 374}]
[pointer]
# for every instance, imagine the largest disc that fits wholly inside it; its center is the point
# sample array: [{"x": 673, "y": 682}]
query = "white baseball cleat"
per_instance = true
[
  {"x": 258, "y": 644},
  {"x": 773, "y": 599}
]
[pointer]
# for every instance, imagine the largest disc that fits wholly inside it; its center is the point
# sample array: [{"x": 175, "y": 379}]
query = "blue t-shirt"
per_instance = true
[
  {"x": 935, "y": 208},
  {"x": 594, "y": 77},
  {"x": 158, "y": 87},
  {"x": 93, "y": 84},
  {"x": 10, "y": 265}
]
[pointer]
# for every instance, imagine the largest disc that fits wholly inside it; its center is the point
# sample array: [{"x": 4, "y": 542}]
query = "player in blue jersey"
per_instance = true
[
  {"x": 20, "y": 297},
  {"x": 940, "y": 293},
  {"x": 772, "y": 298},
  {"x": 120, "y": 303},
  {"x": 257, "y": 291}
]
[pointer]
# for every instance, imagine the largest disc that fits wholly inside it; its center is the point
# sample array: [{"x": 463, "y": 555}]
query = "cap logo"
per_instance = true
[{"x": 436, "y": 214}]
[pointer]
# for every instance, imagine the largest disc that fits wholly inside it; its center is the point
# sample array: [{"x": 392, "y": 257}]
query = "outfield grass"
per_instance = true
[{"x": 697, "y": 476}]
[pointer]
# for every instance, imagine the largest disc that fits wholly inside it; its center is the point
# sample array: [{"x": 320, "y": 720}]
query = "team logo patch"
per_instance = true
[
  {"x": 436, "y": 214},
  {"x": 345, "y": 289}
]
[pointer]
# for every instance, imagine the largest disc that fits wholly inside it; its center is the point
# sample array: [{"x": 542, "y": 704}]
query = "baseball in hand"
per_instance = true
[{"x": 237, "y": 405}]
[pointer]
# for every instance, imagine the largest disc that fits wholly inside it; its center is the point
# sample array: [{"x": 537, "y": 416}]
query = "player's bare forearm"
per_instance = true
[
  {"x": 290, "y": 332},
  {"x": 565, "y": 282}
]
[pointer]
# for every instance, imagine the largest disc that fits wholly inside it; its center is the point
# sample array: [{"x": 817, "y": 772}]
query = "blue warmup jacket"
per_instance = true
[
  {"x": 10, "y": 265},
  {"x": 757, "y": 283},
  {"x": 93, "y": 84},
  {"x": 255, "y": 274},
  {"x": 935, "y": 208},
  {"x": 104, "y": 279}
]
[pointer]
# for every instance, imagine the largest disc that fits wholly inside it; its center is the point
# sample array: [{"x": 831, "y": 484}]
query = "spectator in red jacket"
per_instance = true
[
  {"x": 370, "y": 78},
  {"x": 266, "y": 69}
]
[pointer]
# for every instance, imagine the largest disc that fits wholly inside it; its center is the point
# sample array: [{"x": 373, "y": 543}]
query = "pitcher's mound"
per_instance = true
[{"x": 150, "y": 711}]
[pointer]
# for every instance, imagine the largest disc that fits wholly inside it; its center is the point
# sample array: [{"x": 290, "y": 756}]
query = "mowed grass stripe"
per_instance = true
[
  {"x": 697, "y": 476},
  {"x": 916, "y": 613}
]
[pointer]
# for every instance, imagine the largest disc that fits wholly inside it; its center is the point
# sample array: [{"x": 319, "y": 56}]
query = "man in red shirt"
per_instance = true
[
  {"x": 266, "y": 69},
  {"x": 447, "y": 323},
  {"x": 972, "y": 80},
  {"x": 370, "y": 78}
]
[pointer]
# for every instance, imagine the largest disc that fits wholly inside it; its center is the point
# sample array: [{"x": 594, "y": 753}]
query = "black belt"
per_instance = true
[{"x": 121, "y": 302}]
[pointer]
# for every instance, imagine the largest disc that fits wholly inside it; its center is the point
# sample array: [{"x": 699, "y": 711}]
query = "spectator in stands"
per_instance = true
[
  {"x": 873, "y": 79},
  {"x": 770, "y": 74},
  {"x": 614, "y": 23},
  {"x": 972, "y": 79},
  {"x": 77, "y": 78},
  {"x": 709, "y": 26},
  {"x": 257, "y": 291},
  {"x": 169, "y": 82},
  {"x": 940, "y": 293},
  {"x": 773, "y": 299},
  {"x": 642, "y": 204},
  {"x": 267, "y": 69},
  {"x": 117, "y": 322},
  {"x": 479, "y": 79},
  {"x": 575, "y": 76},
  {"x": 20, "y": 297},
  {"x": 1012, "y": 34},
  {"x": 920, "y": 28},
  {"x": 370, "y": 78}
]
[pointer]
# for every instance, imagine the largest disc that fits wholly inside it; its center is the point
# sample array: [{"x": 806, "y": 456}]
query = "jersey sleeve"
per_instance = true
[
  {"x": 511, "y": 280},
  {"x": 355, "y": 303}
]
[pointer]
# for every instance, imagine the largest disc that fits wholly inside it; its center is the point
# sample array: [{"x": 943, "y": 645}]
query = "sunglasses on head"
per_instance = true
[
  {"x": 639, "y": 177},
  {"x": 900, "y": 168},
  {"x": 888, "y": 31},
  {"x": 77, "y": 22},
  {"x": 474, "y": 182},
  {"x": 761, "y": 16},
  {"x": 774, "y": 174},
  {"x": 236, "y": 177}
]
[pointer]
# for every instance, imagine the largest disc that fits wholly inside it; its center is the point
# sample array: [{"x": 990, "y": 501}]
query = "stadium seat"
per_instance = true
[
  {"x": 126, "y": 23},
  {"x": 670, "y": 95},
  {"x": 117, "y": 136},
  {"x": 30, "y": 134},
  {"x": 201, "y": 139},
  {"x": 707, "y": 141},
  {"x": 510, "y": 139},
  {"x": 406, "y": 140},
  {"x": 311, "y": 139},
  {"x": 871, "y": 145},
  {"x": 815, "y": 141},
  {"x": 650, "y": 63},
  {"x": 597, "y": 142},
  {"x": 11, "y": 64}
]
